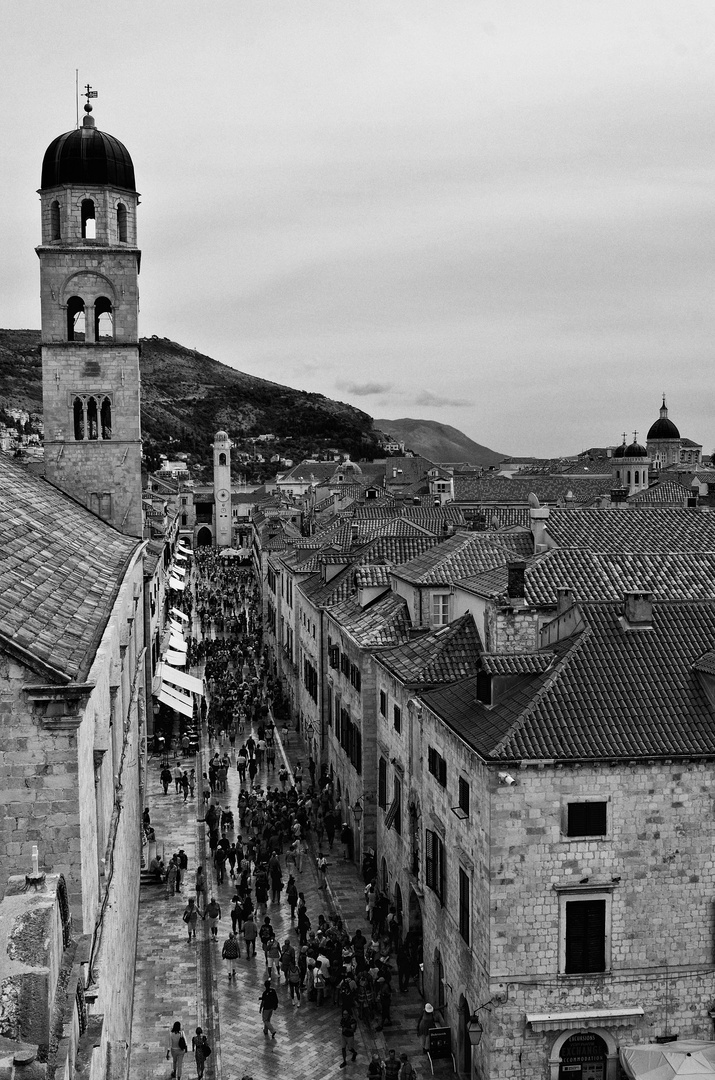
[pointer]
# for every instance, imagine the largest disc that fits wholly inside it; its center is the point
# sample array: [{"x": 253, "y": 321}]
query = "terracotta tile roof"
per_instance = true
[
  {"x": 593, "y": 703},
  {"x": 669, "y": 493},
  {"x": 656, "y": 529},
  {"x": 60, "y": 569},
  {"x": 458, "y": 557},
  {"x": 384, "y": 623},
  {"x": 550, "y": 490},
  {"x": 517, "y": 663},
  {"x": 447, "y": 654},
  {"x": 608, "y": 575},
  {"x": 383, "y": 549},
  {"x": 374, "y": 575}
]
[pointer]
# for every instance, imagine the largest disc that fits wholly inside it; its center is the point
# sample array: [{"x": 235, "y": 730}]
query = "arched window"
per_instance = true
[
  {"x": 89, "y": 223},
  {"x": 78, "y": 412},
  {"x": 75, "y": 319},
  {"x": 629, "y": 476},
  {"x": 638, "y": 476},
  {"x": 439, "y": 995},
  {"x": 184, "y": 519},
  {"x": 103, "y": 319},
  {"x": 618, "y": 476},
  {"x": 105, "y": 416},
  {"x": 222, "y": 459},
  {"x": 122, "y": 223},
  {"x": 55, "y": 233},
  {"x": 92, "y": 419}
]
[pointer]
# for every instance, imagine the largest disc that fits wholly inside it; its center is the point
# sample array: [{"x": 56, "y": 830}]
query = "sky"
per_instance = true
[{"x": 496, "y": 215}]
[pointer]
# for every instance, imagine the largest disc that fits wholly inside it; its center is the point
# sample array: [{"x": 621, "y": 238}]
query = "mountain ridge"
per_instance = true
[{"x": 438, "y": 442}]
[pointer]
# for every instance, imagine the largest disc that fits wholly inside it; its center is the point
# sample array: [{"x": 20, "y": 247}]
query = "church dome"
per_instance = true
[
  {"x": 87, "y": 156},
  {"x": 635, "y": 450},
  {"x": 620, "y": 450},
  {"x": 663, "y": 428}
]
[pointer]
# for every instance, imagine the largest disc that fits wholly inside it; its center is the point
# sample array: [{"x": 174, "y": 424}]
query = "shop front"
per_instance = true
[{"x": 584, "y": 1044}]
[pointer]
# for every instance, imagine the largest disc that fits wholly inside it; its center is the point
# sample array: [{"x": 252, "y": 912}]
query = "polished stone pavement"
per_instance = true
[{"x": 188, "y": 982}]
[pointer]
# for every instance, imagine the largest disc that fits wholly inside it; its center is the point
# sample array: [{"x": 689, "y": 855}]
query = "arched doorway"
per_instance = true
[
  {"x": 464, "y": 1045},
  {"x": 204, "y": 538},
  {"x": 583, "y": 1057}
]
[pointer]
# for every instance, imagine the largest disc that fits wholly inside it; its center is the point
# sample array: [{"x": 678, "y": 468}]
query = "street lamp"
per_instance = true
[
  {"x": 357, "y": 813},
  {"x": 474, "y": 1030}
]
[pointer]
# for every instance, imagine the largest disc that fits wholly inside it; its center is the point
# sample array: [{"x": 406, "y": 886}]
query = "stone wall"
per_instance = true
[{"x": 655, "y": 864}]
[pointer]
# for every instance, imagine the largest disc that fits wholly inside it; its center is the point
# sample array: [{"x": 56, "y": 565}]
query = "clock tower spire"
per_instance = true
[{"x": 222, "y": 489}]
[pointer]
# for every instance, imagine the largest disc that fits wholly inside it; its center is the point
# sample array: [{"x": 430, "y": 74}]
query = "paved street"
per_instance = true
[{"x": 176, "y": 980}]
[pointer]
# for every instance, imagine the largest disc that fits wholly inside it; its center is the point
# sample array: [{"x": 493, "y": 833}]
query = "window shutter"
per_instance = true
[
  {"x": 382, "y": 783},
  {"x": 585, "y": 936},
  {"x": 442, "y": 772},
  {"x": 430, "y": 875}
]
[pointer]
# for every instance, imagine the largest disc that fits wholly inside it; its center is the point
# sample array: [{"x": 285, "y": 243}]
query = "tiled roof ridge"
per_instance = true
[{"x": 556, "y": 672}]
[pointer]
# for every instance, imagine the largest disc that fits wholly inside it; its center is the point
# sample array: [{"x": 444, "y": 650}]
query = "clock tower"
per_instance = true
[
  {"x": 222, "y": 489},
  {"x": 89, "y": 268}
]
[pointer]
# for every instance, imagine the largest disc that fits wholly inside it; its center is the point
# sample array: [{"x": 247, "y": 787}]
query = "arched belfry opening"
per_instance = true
[
  {"x": 75, "y": 319},
  {"x": 89, "y": 221}
]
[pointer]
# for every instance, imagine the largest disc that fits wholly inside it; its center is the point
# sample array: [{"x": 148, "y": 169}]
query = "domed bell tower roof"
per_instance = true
[
  {"x": 87, "y": 156},
  {"x": 663, "y": 428}
]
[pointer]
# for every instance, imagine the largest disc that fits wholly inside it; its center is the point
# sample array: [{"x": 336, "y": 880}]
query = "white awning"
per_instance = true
[
  {"x": 176, "y": 642},
  {"x": 176, "y": 659},
  {"x": 656, "y": 1061},
  {"x": 180, "y": 570},
  {"x": 179, "y": 702},
  {"x": 174, "y": 583},
  {"x": 179, "y": 614},
  {"x": 177, "y": 627},
  {"x": 180, "y": 678},
  {"x": 579, "y": 1018}
]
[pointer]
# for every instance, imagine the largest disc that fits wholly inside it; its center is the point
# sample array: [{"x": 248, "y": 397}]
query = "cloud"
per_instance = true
[
  {"x": 427, "y": 399},
  {"x": 366, "y": 389}
]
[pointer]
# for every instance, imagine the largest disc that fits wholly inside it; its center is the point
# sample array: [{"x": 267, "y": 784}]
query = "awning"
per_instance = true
[
  {"x": 580, "y": 1018},
  {"x": 179, "y": 702},
  {"x": 174, "y": 583},
  {"x": 180, "y": 570},
  {"x": 180, "y": 678},
  {"x": 176, "y": 659},
  {"x": 177, "y": 627},
  {"x": 176, "y": 642},
  {"x": 655, "y": 1061},
  {"x": 179, "y": 614}
]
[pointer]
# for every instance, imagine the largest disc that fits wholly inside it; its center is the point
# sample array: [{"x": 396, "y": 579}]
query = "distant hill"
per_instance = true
[
  {"x": 187, "y": 397},
  {"x": 438, "y": 442}
]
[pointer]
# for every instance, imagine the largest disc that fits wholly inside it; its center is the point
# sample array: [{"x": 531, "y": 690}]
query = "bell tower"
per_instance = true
[
  {"x": 89, "y": 268},
  {"x": 222, "y": 488}
]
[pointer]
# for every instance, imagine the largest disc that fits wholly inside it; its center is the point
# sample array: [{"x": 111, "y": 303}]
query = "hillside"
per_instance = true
[
  {"x": 187, "y": 397},
  {"x": 438, "y": 442}
]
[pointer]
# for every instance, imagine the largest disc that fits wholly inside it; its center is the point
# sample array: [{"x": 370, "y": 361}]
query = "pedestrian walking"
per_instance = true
[
  {"x": 250, "y": 934},
  {"x": 166, "y": 778},
  {"x": 199, "y": 884},
  {"x": 273, "y": 958},
  {"x": 178, "y": 773},
  {"x": 293, "y": 977},
  {"x": 201, "y": 1048},
  {"x": 323, "y": 872},
  {"x": 384, "y": 997},
  {"x": 171, "y": 873},
  {"x": 213, "y": 911},
  {"x": 191, "y": 917},
  {"x": 292, "y": 896},
  {"x": 392, "y": 1066},
  {"x": 176, "y": 1049},
  {"x": 231, "y": 952},
  {"x": 267, "y": 1005},
  {"x": 348, "y": 1024},
  {"x": 425, "y": 1024},
  {"x": 374, "y": 1069},
  {"x": 406, "y": 1070}
]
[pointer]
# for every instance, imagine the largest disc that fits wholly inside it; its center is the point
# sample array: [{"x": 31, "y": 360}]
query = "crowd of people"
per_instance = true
[{"x": 261, "y": 845}]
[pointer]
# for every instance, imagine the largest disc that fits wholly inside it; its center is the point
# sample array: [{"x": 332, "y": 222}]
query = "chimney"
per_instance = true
[
  {"x": 539, "y": 516},
  {"x": 515, "y": 580},
  {"x": 638, "y": 610},
  {"x": 564, "y": 600},
  {"x": 354, "y": 533}
]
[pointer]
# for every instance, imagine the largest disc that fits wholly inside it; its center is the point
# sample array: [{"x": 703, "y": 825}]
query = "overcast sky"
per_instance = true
[{"x": 495, "y": 215}]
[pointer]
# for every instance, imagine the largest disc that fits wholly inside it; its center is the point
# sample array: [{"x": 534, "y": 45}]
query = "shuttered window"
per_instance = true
[
  {"x": 464, "y": 904},
  {"x": 585, "y": 936},
  {"x": 586, "y": 819},
  {"x": 434, "y": 863},
  {"x": 382, "y": 784}
]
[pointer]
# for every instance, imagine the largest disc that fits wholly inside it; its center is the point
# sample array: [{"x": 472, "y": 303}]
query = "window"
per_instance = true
[
  {"x": 586, "y": 819},
  {"x": 383, "y": 703},
  {"x": 382, "y": 784},
  {"x": 184, "y": 519},
  {"x": 437, "y": 766},
  {"x": 75, "y": 319},
  {"x": 355, "y": 678},
  {"x": 464, "y": 890},
  {"x": 330, "y": 705},
  {"x": 440, "y": 609},
  {"x": 103, "y": 319},
  {"x": 55, "y": 233},
  {"x": 345, "y": 664},
  {"x": 333, "y": 656},
  {"x": 122, "y": 223},
  {"x": 89, "y": 224},
  {"x": 222, "y": 459},
  {"x": 397, "y": 799},
  {"x": 434, "y": 864},
  {"x": 464, "y": 795},
  {"x": 91, "y": 417},
  {"x": 397, "y": 718},
  {"x": 585, "y": 936}
]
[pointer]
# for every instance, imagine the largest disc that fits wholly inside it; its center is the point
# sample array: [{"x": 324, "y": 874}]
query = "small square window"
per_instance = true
[{"x": 587, "y": 819}]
